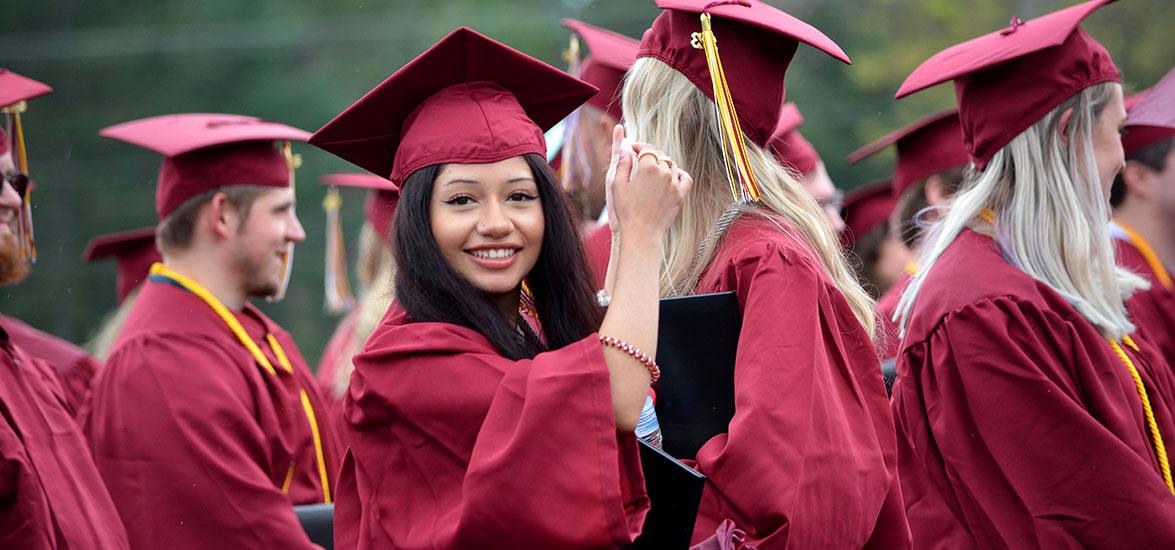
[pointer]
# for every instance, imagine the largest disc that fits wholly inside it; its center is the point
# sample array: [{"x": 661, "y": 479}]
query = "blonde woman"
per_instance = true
[
  {"x": 809, "y": 458},
  {"x": 1027, "y": 415}
]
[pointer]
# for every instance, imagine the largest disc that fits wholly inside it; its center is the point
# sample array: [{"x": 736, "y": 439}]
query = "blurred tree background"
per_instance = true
[{"x": 303, "y": 61}]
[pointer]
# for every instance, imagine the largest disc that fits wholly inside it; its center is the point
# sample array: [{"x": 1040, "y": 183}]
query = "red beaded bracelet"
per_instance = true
[{"x": 654, "y": 370}]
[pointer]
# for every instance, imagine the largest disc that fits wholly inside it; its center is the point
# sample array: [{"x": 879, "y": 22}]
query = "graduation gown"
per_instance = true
[
  {"x": 51, "y": 496},
  {"x": 598, "y": 246},
  {"x": 1153, "y": 310},
  {"x": 74, "y": 368},
  {"x": 1018, "y": 425},
  {"x": 455, "y": 446},
  {"x": 194, "y": 439},
  {"x": 332, "y": 359},
  {"x": 809, "y": 460}
]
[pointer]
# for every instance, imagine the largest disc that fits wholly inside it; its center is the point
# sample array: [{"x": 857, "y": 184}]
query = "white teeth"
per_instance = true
[{"x": 494, "y": 254}]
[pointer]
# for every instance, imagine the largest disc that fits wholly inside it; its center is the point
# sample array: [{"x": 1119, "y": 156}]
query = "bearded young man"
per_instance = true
[
  {"x": 51, "y": 496},
  {"x": 206, "y": 424}
]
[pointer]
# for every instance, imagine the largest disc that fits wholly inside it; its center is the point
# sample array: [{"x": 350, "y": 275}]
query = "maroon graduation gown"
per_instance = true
[
  {"x": 73, "y": 367},
  {"x": 51, "y": 496},
  {"x": 809, "y": 460},
  {"x": 455, "y": 446},
  {"x": 195, "y": 439},
  {"x": 1018, "y": 425},
  {"x": 598, "y": 246},
  {"x": 332, "y": 358},
  {"x": 1153, "y": 310}
]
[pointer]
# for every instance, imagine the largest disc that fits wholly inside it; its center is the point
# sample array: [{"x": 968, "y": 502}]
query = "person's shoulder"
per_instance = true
[
  {"x": 398, "y": 333},
  {"x": 754, "y": 238}
]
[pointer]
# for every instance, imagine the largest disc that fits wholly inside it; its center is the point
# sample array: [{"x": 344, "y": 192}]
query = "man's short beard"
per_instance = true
[
  {"x": 253, "y": 280},
  {"x": 13, "y": 268}
]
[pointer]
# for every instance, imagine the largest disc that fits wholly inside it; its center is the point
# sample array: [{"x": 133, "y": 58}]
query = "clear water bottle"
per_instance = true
[{"x": 647, "y": 428}]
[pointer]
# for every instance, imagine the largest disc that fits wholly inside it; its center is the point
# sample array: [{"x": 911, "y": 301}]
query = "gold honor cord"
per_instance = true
[
  {"x": 293, "y": 162},
  {"x": 1152, "y": 425},
  {"x": 24, "y": 223},
  {"x": 1148, "y": 412},
  {"x": 234, "y": 326},
  {"x": 743, "y": 186},
  {"x": 1148, "y": 253},
  {"x": 338, "y": 297}
]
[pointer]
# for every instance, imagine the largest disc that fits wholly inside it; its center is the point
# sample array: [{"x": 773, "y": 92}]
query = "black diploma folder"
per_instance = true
[
  {"x": 675, "y": 490},
  {"x": 697, "y": 341},
  {"x": 318, "y": 520}
]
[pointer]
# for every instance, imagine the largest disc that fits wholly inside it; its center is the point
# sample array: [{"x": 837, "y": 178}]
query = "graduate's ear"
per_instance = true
[
  {"x": 936, "y": 193},
  {"x": 1063, "y": 125},
  {"x": 221, "y": 216},
  {"x": 1139, "y": 180}
]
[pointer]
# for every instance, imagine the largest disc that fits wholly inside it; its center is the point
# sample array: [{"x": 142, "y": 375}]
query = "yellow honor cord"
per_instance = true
[
  {"x": 1148, "y": 412},
  {"x": 987, "y": 215},
  {"x": 1148, "y": 253},
  {"x": 743, "y": 185},
  {"x": 238, "y": 330}
]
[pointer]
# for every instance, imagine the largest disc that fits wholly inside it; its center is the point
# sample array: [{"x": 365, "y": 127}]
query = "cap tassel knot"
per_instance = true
[
  {"x": 743, "y": 186},
  {"x": 1013, "y": 26}
]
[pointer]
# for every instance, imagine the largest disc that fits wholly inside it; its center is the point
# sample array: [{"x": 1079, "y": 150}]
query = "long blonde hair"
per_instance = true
[
  {"x": 102, "y": 343},
  {"x": 663, "y": 108},
  {"x": 1051, "y": 215},
  {"x": 376, "y": 270}
]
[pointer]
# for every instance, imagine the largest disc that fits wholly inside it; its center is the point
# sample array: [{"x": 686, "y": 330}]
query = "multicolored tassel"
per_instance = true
[
  {"x": 24, "y": 223},
  {"x": 338, "y": 297},
  {"x": 743, "y": 186},
  {"x": 294, "y": 162}
]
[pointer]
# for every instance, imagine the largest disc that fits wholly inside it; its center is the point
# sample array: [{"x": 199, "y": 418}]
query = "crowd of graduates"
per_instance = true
[{"x": 978, "y": 352}]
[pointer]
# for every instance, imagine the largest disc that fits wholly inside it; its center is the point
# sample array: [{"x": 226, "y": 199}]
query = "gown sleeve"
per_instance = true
[
  {"x": 809, "y": 460},
  {"x": 489, "y": 452},
  {"x": 177, "y": 434},
  {"x": 1015, "y": 431}
]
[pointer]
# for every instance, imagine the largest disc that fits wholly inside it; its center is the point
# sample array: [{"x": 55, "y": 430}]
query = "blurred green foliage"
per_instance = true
[{"x": 303, "y": 61}]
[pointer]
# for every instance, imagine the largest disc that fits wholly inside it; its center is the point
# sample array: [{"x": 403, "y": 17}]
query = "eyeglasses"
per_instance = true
[{"x": 19, "y": 182}]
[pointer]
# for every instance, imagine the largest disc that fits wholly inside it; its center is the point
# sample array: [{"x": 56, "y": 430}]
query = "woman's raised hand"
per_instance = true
[{"x": 645, "y": 189}]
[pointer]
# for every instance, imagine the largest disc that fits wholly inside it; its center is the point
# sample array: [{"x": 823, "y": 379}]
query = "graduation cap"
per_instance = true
[
  {"x": 379, "y": 210},
  {"x": 468, "y": 99},
  {"x": 1152, "y": 119},
  {"x": 15, "y": 91},
  {"x": 746, "y": 82},
  {"x": 611, "y": 56},
  {"x": 1007, "y": 80},
  {"x": 925, "y": 147},
  {"x": 789, "y": 146},
  {"x": 866, "y": 208},
  {"x": 205, "y": 151},
  {"x": 134, "y": 251}
]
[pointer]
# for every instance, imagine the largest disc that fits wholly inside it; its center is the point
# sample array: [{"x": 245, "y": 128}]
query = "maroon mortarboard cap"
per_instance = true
[
  {"x": 610, "y": 56},
  {"x": 756, "y": 43},
  {"x": 788, "y": 145},
  {"x": 381, "y": 201},
  {"x": 468, "y": 99},
  {"x": 866, "y": 208},
  {"x": 203, "y": 152},
  {"x": 133, "y": 250},
  {"x": 1007, "y": 80},
  {"x": 15, "y": 88},
  {"x": 1153, "y": 118},
  {"x": 925, "y": 147}
]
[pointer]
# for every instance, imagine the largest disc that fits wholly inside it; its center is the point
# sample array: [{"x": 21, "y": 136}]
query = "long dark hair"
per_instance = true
[{"x": 431, "y": 291}]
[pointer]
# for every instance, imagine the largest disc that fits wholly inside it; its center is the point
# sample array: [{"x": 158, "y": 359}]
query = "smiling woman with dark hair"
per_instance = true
[{"x": 470, "y": 425}]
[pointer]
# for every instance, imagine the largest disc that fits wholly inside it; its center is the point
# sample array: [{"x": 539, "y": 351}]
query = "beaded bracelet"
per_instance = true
[{"x": 654, "y": 370}]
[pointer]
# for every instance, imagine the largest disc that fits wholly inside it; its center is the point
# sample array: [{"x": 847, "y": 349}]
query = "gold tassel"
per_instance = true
[
  {"x": 338, "y": 297},
  {"x": 571, "y": 174},
  {"x": 294, "y": 162},
  {"x": 24, "y": 223},
  {"x": 743, "y": 186}
]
